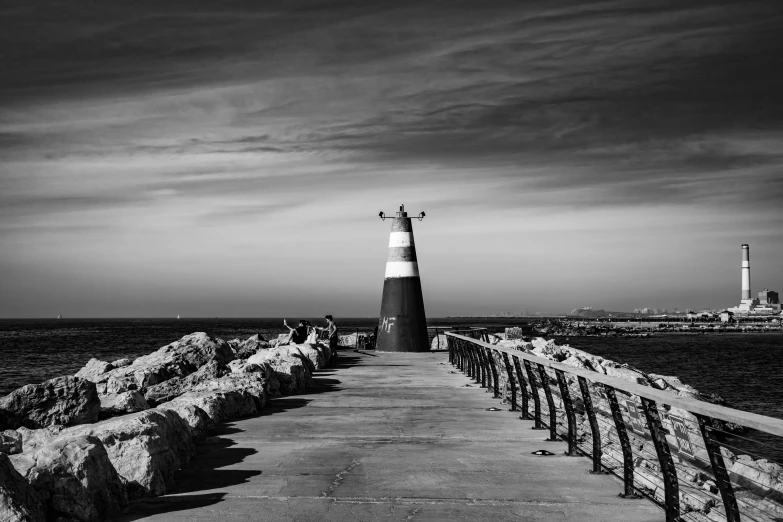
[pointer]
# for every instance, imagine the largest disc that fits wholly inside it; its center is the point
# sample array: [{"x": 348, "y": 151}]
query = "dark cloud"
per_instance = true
[{"x": 611, "y": 95}]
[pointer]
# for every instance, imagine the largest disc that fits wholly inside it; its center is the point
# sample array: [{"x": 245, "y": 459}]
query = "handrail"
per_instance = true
[
  {"x": 626, "y": 443},
  {"x": 751, "y": 420}
]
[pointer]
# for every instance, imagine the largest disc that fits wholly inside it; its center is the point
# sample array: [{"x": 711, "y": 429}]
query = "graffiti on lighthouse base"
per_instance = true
[{"x": 386, "y": 324}]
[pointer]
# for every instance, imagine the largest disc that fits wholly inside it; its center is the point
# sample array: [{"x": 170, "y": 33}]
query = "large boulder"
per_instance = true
[
  {"x": 313, "y": 354},
  {"x": 178, "y": 359},
  {"x": 196, "y": 418},
  {"x": 167, "y": 390},
  {"x": 514, "y": 332},
  {"x": 94, "y": 369},
  {"x": 63, "y": 400},
  {"x": 220, "y": 406},
  {"x": 439, "y": 342},
  {"x": 246, "y": 348},
  {"x": 34, "y": 439},
  {"x": 75, "y": 479},
  {"x": 19, "y": 501},
  {"x": 10, "y": 442},
  {"x": 146, "y": 448},
  {"x": 114, "y": 404},
  {"x": 291, "y": 372},
  {"x": 251, "y": 379}
]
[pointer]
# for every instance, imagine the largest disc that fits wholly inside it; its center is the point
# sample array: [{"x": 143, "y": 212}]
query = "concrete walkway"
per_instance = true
[{"x": 389, "y": 437}]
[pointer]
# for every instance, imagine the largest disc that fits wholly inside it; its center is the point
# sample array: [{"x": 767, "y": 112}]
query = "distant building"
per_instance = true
[
  {"x": 767, "y": 296},
  {"x": 726, "y": 316}
]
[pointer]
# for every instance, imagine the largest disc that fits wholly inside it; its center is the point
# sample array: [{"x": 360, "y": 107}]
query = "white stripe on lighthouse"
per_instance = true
[
  {"x": 401, "y": 269},
  {"x": 401, "y": 239}
]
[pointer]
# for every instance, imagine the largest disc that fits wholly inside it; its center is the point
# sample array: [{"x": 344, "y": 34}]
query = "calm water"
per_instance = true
[{"x": 745, "y": 369}]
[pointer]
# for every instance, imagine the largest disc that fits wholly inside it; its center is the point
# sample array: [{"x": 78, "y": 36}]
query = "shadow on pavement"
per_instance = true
[
  {"x": 214, "y": 453},
  {"x": 169, "y": 504}
]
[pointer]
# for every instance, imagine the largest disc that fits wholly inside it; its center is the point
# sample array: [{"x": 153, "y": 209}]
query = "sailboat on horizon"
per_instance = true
[
  {"x": 59, "y": 316},
  {"x": 177, "y": 316}
]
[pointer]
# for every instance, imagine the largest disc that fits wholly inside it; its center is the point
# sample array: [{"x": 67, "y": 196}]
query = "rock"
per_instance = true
[
  {"x": 577, "y": 362},
  {"x": 439, "y": 342},
  {"x": 246, "y": 348},
  {"x": 292, "y": 375},
  {"x": 172, "y": 388},
  {"x": 10, "y": 442},
  {"x": 219, "y": 406},
  {"x": 146, "y": 448},
  {"x": 313, "y": 355},
  {"x": 514, "y": 333},
  {"x": 34, "y": 439},
  {"x": 19, "y": 502},
  {"x": 195, "y": 417},
  {"x": 178, "y": 359},
  {"x": 122, "y": 403},
  {"x": 627, "y": 374},
  {"x": 280, "y": 340},
  {"x": 75, "y": 479},
  {"x": 63, "y": 400},
  {"x": 121, "y": 363},
  {"x": 94, "y": 369},
  {"x": 251, "y": 379}
]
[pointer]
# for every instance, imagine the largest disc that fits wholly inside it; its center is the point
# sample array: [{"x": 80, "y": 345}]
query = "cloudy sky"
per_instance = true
[{"x": 230, "y": 158}]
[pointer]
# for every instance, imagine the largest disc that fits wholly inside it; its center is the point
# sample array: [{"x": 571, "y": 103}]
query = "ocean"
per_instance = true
[{"x": 744, "y": 368}]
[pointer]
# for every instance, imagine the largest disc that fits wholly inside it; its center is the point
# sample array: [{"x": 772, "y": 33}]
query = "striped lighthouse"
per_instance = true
[{"x": 403, "y": 325}]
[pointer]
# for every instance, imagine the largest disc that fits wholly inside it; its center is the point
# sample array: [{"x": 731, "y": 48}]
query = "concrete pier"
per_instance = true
[{"x": 389, "y": 436}]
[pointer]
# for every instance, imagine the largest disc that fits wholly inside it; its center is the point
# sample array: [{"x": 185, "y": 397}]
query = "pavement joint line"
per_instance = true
[{"x": 416, "y": 500}]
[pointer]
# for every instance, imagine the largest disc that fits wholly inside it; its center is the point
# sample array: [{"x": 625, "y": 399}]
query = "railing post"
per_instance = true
[
  {"x": 565, "y": 394},
  {"x": 722, "y": 479},
  {"x": 487, "y": 373},
  {"x": 494, "y": 370},
  {"x": 594, "y": 429},
  {"x": 536, "y": 396},
  {"x": 478, "y": 376},
  {"x": 482, "y": 365},
  {"x": 670, "y": 484},
  {"x": 522, "y": 387},
  {"x": 550, "y": 401},
  {"x": 511, "y": 383},
  {"x": 625, "y": 444},
  {"x": 472, "y": 365}
]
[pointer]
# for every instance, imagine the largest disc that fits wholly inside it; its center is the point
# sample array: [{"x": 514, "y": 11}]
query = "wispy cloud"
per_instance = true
[{"x": 156, "y": 115}]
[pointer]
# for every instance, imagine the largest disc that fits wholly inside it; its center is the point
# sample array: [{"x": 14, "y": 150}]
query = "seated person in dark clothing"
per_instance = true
[{"x": 297, "y": 335}]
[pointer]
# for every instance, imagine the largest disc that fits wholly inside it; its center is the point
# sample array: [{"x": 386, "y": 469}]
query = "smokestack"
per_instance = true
[
  {"x": 403, "y": 325},
  {"x": 745, "y": 272}
]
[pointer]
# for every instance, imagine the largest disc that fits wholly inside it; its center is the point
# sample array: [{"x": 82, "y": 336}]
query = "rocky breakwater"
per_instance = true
[
  {"x": 79, "y": 448},
  {"x": 758, "y": 483}
]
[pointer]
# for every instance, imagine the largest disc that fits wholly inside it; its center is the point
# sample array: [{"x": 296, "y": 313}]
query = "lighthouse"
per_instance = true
[{"x": 403, "y": 325}]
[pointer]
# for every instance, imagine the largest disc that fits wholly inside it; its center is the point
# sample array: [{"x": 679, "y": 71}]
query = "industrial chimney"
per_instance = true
[{"x": 745, "y": 272}]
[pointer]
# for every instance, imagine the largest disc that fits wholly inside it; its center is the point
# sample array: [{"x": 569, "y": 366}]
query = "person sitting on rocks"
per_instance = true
[{"x": 297, "y": 335}]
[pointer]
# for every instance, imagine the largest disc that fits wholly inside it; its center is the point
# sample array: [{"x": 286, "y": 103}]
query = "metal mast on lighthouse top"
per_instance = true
[{"x": 403, "y": 324}]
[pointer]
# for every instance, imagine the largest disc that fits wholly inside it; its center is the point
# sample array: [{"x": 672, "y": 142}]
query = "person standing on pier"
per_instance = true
[{"x": 331, "y": 332}]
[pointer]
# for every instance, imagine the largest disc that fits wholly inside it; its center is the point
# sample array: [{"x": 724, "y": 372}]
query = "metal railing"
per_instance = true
[{"x": 683, "y": 454}]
